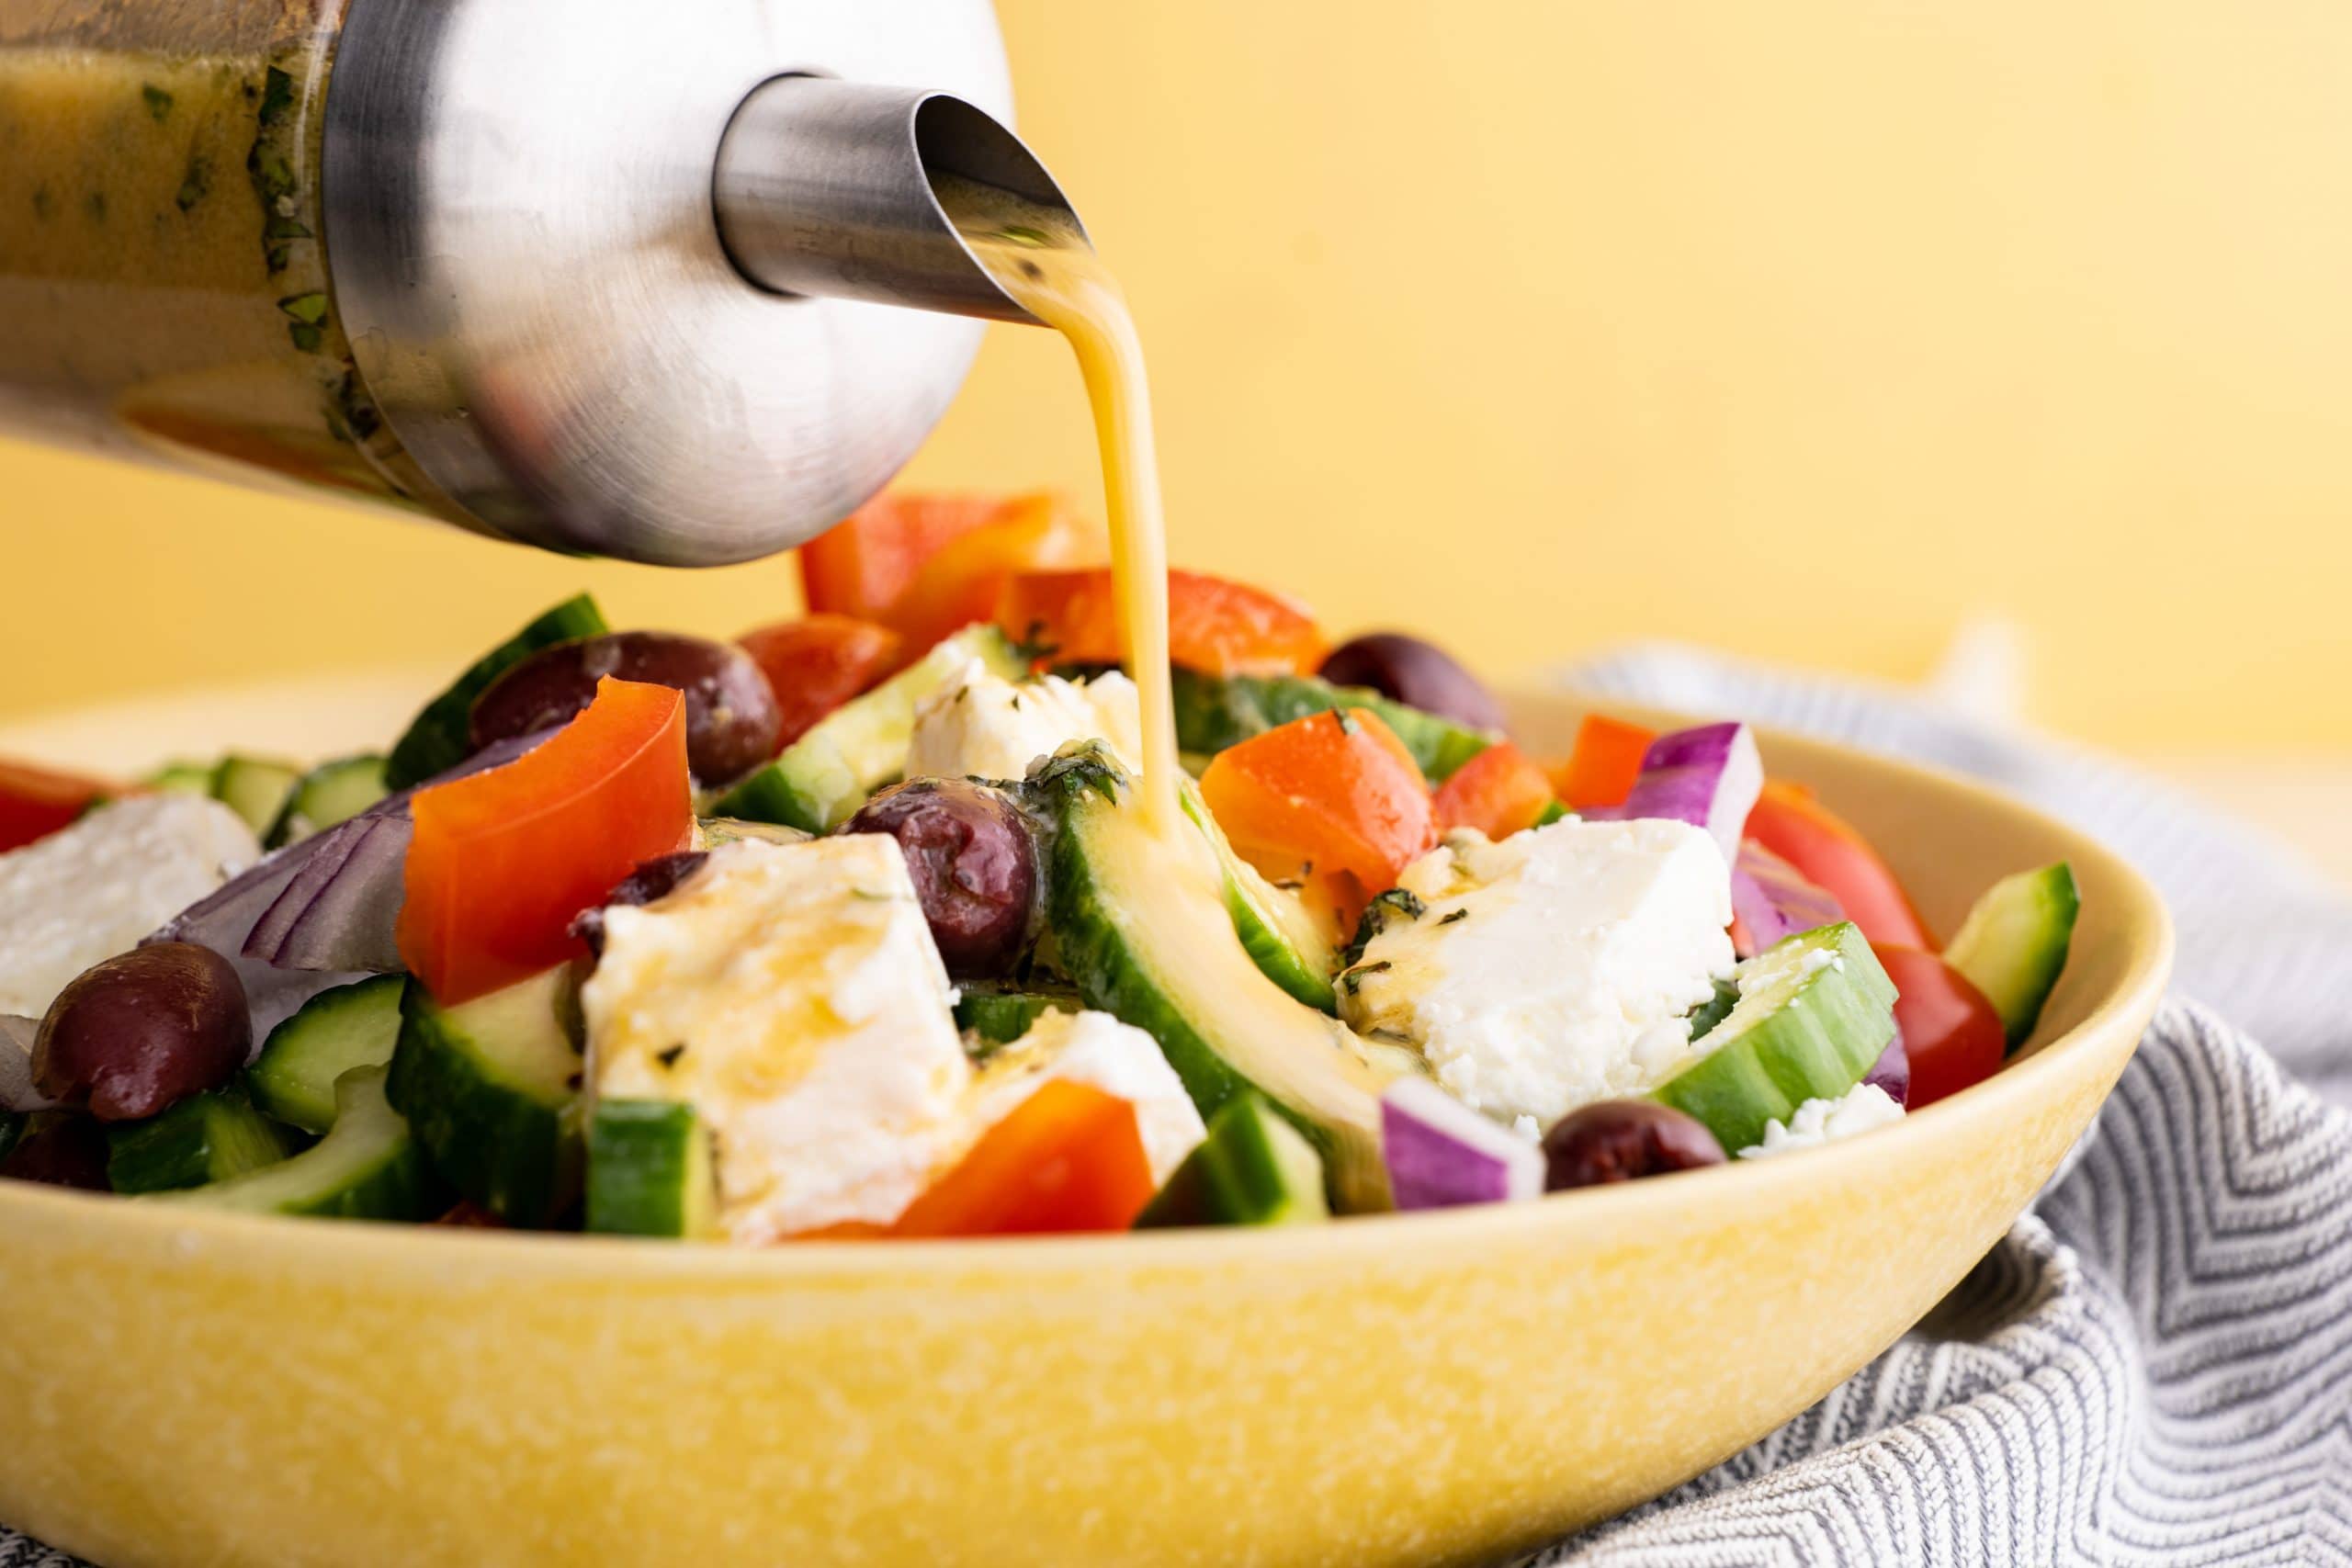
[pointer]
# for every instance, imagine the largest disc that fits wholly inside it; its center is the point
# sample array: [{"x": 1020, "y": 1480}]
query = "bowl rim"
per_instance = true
[{"x": 1629, "y": 1208}]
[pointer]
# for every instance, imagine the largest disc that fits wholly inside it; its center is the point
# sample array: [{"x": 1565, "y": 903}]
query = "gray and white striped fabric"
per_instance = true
[{"x": 2156, "y": 1366}]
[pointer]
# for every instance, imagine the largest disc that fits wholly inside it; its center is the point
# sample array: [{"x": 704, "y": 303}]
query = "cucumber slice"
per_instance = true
[
  {"x": 1214, "y": 712},
  {"x": 1813, "y": 1014},
  {"x": 999, "y": 1018},
  {"x": 185, "y": 778},
  {"x": 1254, "y": 1168},
  {"x": 2014, "y": 943},
  {"x": 1281, "y": 937},
  {"x": 1140, "y": 925},
  {"x": 438, "y": 738},
  {"x": 1714, "y": 1010},
  {"x": 1553, "y": 811},
  {"x": 350, "y": 1026},
  {"x": 206, "y": 1138},
  {"x": 823, "y": 777},
  {"x": 254, "y": 789},
  {"x": 648, "y": 1170},
  {"x": 369, "y": 1168},
  {"x": 492, "y": 1090},
  {"x": 330, "y": 793}
]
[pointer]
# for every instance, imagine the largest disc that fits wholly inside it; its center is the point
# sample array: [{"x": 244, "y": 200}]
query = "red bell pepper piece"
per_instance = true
[
  {"x": 500, "y": 863},
  {"x": 1498, "y": 792},
  {"x": 1215, "y": 625},
  {"x": 1829, "y": 853},
  {"x": 1950, "y": 1029},
  {"x": 1606, "y": 763},
  {"x": 819, "y": 662},
  {"x": 1332, "y": 793},
  {"x": 36, "y": 802},
  {"x": 1067, "y": 1159}
]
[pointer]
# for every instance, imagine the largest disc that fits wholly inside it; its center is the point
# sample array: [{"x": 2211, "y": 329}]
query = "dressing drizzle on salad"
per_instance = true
[{"x": 1041, "y": 258}]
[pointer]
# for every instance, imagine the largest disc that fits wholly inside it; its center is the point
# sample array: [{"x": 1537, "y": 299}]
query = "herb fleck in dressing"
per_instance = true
[{"x": 152, "y": 300}]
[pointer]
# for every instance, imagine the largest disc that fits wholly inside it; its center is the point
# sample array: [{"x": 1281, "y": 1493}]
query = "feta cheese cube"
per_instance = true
[
  {"x": 1817, "y": 1121},
  {"x": 792, "y": 994},
  {"x": 1554, "y": 968},
  {"x": 1096, "y": 1049},
  {"x": 979, "y": 724},
  {"x": 93, "y": 890}
]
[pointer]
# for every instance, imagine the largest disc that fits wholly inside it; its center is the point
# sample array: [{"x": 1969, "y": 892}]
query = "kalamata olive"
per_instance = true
[
  {"x": 975, "y": 865},
  {"x": 1417, "y": 673},
  {"x": 732, "y": 721},
  {"x": 70, "y": 1151},
  {"x": 140, "y": 1031},
  {"x": 656, "y": 878},
  {"x": 1624, "y": 1140}
]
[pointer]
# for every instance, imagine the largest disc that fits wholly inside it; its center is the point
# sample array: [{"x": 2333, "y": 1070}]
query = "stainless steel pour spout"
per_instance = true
[
  {"x": 824, "y": 187},
  {"x": 634, "y": 283}
]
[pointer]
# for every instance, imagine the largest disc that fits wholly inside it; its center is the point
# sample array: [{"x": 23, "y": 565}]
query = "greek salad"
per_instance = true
[{"x": 854, "y": 927}]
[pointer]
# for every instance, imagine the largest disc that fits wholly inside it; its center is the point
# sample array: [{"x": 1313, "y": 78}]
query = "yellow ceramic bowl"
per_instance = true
[{"x": 179, "y": 1388}]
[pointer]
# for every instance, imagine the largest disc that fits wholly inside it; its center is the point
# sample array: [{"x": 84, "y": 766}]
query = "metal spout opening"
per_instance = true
[{"x": 823, "y": 187}]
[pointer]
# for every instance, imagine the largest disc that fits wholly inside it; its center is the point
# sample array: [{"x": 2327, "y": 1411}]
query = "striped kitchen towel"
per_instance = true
[{"x": 2156, "y": 1367}]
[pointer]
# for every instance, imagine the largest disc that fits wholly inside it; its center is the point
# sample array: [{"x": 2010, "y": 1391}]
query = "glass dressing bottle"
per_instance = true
[{"x": 608, "y": 279}]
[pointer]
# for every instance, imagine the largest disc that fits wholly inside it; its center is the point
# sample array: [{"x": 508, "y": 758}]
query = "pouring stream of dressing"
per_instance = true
[{"x": 1038, "y": 256}]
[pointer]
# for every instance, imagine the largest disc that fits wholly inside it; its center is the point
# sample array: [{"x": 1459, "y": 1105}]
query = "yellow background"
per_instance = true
[{"x": 1805, "y": 330}]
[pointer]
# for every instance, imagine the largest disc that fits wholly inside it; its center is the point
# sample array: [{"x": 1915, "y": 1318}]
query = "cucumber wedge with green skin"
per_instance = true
[
  {"x": 1275, "y": 930},
  {"x": 254, "y": 789},
  {"x": 350, "y": 1026},
  {"x": 369, "y": 1168},
  {"x": 2013, "y": 943},
  {"x": 1214, "y": 712},
  {"x": 1553, "y": 811},
  {"x": 206, "y": 1138},
  {"x": 331, "y": 793},
  {"x": 1254, "y": 1168},
  {"x": 185, "y": 778},
  {"x": 648, "y": 1170},
  {"x": 1140, "y": 926},
  {"x": 1814, "y": 1013},
  {"x": 492, "y": 1089},
  {"x": 439, "y": 738},
  {"x": 999, "y": 1018},
  {"x": 823, "y": 777}
]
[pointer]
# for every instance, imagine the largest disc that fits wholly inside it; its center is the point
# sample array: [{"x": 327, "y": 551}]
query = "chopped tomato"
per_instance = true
[
  {"x": 500, "y": 863},
  {"x": 1950, "y": 1029},
  {"x": 1333, "y": 793},
  {"x": 36, "y": 802},
  {"x": 863, "y": 563},
  {"x": 962, "y": 580},
  {"x": 1827, "y": 852},
  {"x": 1498, "y": 792},
  {"x": 819, "y": 662},
  {"x": 1215, "y": 625},
  {"x": 1608, "y": 759},
  {"x": 1067, "y": 1159}
]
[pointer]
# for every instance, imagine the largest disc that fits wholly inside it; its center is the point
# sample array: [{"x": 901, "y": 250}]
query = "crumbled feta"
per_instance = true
[
  {"x": 979, "y": 724},
  {"x": 1096, "y": 1049},
  {"x": 792, "y": 994},
  {"x": 1817, "y": 1121},
  {"x": 1556, "y": 967},
  {"x": 92, "y": 890}
]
